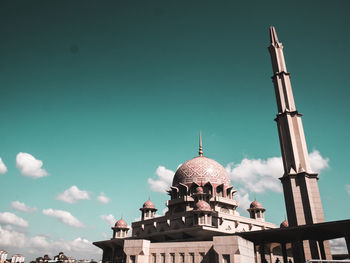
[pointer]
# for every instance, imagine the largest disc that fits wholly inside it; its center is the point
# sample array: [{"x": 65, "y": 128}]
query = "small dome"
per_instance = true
[
  {"x": 256, "y": 204},
  {"x": 202, "y": 206},
  {"x": 201, "y": 169},
  {"x": 148, "y": 204},
  {"x": 284, "y": 224},
  {"x": 199, "y": 190},
  {"x": 121, "y": 223}
]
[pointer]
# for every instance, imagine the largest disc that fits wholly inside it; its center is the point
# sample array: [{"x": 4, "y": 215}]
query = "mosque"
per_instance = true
[{"x": 202, "y": 224}]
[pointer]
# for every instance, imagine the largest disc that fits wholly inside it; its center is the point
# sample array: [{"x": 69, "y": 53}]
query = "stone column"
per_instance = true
[
  {"x": 187, "y": 257},
  {"x": 167, "y": 258},
  {"x": 197, "y": 258},
  {"x": 284, "y": 253},
  {"x": 322, "y": 251},
  {"x": 298, "y": 252},
  {"x": 257, "y": 255},
  {"x": 262, "y": 253}
]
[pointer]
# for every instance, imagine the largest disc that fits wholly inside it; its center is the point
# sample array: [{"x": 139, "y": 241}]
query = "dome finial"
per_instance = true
[{"x": 200, "y": 144}]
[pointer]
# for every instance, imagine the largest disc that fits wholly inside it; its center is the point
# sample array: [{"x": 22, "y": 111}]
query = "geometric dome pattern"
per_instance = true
[
  {"x": 202, "y": 206},
  {"x": 121, "y": 223},
  {"x": 148, "y": 204},
  {"x": 256, "y": 205},
  {"x": 201, "y": 170}
]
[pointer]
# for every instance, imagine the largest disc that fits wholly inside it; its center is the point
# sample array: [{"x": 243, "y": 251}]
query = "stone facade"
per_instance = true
[
  {"x": 220, "y": 249},
  {"x": 199, "y": 225},
  {"x": 202, "y": 223}
]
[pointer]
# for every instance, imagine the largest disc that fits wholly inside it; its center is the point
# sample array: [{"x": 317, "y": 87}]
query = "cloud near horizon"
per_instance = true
[
  {"x": 253, "y": 175},
  {"x": 63, "y": 216},
  {"x": 23, "y": 207},
  {"x": 8, "y": 218},
  {"x": 73, "y": 195},
  {"x": 29, "y": 166},
  {"x": 81, "y": 247}
]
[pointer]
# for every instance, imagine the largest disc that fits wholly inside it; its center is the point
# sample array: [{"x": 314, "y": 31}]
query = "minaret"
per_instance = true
[
  {"x": 290, "y": 128},
  {"x": 300, "y": 187}
]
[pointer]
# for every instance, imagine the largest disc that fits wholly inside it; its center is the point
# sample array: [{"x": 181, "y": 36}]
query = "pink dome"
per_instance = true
[
  {"x": 201, "y": 170},
  {"x": 256, "y": 204},
  {"x": 121, "y": 223},
  {"x": 199, "y": 190},
  {"x": 284, "y": 224},
  {"x": 148, "y": 204},
  {"x": 202, "y": 206}
]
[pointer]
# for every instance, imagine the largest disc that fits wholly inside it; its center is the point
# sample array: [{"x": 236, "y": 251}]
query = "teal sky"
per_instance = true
[{"x": 104, "y": 92}]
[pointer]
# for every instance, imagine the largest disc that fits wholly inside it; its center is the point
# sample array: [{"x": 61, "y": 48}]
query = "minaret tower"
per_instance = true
[{"x": 300, "y": 187}]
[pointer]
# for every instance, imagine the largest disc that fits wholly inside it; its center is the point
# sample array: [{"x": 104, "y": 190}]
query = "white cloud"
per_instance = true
[
  {"x": 103, "y": 198},
  {"x": 29, "y": 166},
  {"x": 257, "y": 175},
  {"x": 33, "y": 246},
  {"x": 73, "y": 195},
  {"x": 11, "y": 238},
  {"x": 164, "y": 180},
  {"x": 347, "y": 188},
  {"x": 317, "y": 162},
  {"x": 3, "y": 168},
  {"x": 63, "y": 216},
  {"x": 23, "y": 207},
  {"x": 109, "y": 219},
  {"x": 338, "y": 246},
  {"x": 242, "y": 197},
  {"x": 8, "y": 218}
]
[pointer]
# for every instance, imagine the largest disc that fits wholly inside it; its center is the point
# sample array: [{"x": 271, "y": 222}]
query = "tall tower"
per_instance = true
[{"x": 300, "y": 187}]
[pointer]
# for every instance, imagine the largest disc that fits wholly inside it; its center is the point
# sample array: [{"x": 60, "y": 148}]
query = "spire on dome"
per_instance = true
[
  {"x": 200, "y": 144},
  {"x": 273, "y": 36}
]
